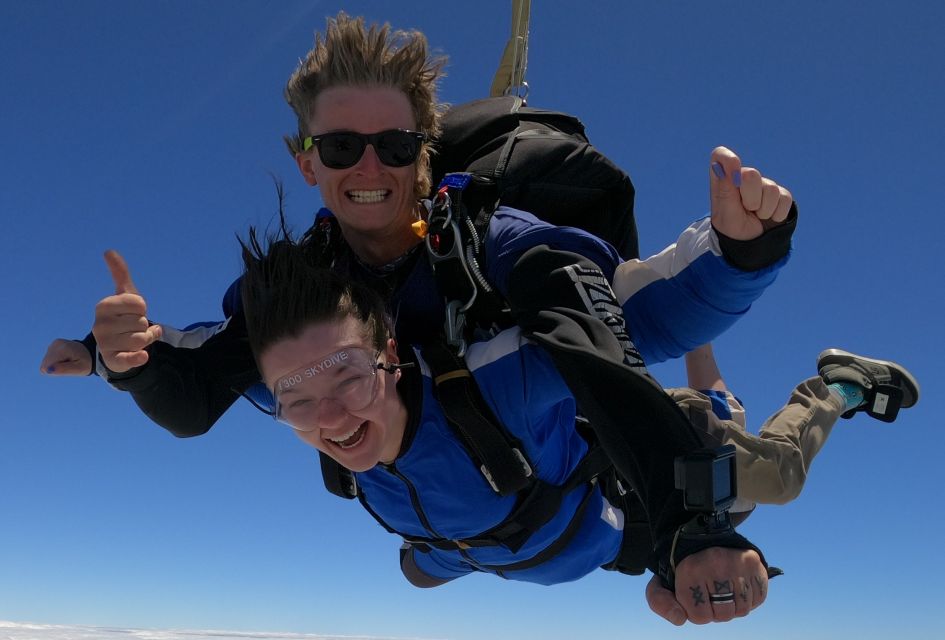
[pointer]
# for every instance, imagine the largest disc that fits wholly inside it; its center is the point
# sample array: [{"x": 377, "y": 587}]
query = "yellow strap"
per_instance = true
[
  {"x": 459, "y": 373},
  {"x": 510, "y": 77}
]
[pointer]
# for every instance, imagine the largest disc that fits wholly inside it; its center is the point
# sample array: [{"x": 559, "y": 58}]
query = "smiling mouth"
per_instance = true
[
  {"x": 368, "y": 196},
  {"x": 350, "y": 439}
]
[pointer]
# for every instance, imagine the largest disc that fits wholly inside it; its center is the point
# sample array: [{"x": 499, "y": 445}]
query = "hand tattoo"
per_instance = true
[
  {"x": 697, "y": 595},
  {"x": 723, "y": 587},
  {"x": 761, "y": 585}
]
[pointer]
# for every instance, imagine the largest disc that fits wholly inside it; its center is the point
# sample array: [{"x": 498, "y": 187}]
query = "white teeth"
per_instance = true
[
  {"x": 368, "y": 197},
  {"x": 345, "y": 436},
  {"x": 342, "y": 440}
]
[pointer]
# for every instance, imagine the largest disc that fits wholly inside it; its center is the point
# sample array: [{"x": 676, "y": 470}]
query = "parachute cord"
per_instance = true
[
  {"x": 475, "y": 272},
  {"x": 472, "y": 233},
  {"x": 471, "y": 252},
  {"x": 510, "y": 77}
]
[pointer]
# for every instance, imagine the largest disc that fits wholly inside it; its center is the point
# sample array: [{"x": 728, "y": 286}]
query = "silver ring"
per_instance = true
[{"x": 722, "y": 598}]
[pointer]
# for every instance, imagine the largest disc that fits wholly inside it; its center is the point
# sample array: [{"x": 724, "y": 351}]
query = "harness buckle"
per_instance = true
[
  {"x": 453, "y": 326},
  {"x": 527, "y": 468},
  {"x": 445, "y": 248}
]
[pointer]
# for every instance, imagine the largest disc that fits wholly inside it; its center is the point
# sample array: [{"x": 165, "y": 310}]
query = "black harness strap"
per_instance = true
[
  {"x": 555, "y": 547},
  {"x": 498, "y": 455},
  {"x": 338, "y": 480}
]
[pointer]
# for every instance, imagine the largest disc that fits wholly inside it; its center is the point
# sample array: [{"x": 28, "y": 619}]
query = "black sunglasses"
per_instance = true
[{"x": 343, "y": 149}]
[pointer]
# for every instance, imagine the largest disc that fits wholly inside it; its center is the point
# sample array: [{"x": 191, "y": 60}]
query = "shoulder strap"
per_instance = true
[
  {"x": 490, "y": 445},
  {"x": 497, "y": 453}
]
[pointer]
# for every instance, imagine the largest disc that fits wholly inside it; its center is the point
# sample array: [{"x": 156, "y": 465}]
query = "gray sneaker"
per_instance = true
[{"x": 887, "y": 386}]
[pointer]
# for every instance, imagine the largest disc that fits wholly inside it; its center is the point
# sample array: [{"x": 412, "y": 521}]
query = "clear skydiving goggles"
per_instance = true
[{"x": 346, "y": 379}]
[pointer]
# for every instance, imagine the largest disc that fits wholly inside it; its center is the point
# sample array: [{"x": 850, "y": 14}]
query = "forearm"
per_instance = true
[
  {"x": 176, "y": 393},
  {"x": 186, "y": 390},
  {"x": 702, "y": 372}
]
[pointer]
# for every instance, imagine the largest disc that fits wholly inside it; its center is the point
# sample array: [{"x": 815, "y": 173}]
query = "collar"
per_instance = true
[{"x": 410, "y": 389}]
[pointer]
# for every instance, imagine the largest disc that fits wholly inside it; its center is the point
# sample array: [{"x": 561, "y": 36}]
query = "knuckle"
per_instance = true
[
  {"x": 138, "y": 341},
  {"x": 700, "y": 619}
]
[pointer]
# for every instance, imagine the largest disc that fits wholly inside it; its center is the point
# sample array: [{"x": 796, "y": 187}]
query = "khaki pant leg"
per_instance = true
[
  {"x": 802, "y": 425},
  {"x": 772, "y": 466}
]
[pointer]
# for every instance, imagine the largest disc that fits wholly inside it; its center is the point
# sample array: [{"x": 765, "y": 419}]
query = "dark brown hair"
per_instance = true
[{"x": 288, "y": 285}]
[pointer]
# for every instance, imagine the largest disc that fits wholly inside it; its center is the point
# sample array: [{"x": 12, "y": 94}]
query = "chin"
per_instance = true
[
  {"x": 359, "y": 466},
  {"x": 364, "y": 457},
  {"x": 368, "y": 223}
]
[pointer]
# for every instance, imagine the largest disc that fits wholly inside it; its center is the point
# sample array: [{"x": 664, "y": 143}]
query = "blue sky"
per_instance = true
[{"x": 153, "y": 128}]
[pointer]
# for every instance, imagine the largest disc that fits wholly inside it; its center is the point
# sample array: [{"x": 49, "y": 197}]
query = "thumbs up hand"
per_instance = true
[
  {"x": 121, "y": 328},
  {"x": 744, "y": 203}
]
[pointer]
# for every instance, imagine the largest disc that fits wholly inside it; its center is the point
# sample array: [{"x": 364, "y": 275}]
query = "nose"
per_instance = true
[
  {"x": 369, "y": 162},
  {"x": 330, "y": 414}
]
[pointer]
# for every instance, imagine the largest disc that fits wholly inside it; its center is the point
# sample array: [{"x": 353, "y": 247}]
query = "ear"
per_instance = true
[
  {"x": 391, "y": 351},
  {"x": 391, "y": 356},
  {"x": 305, "y": 161}
]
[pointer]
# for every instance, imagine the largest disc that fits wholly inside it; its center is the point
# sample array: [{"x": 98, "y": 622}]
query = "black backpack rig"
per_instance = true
[{"x": 491, "y": 152}]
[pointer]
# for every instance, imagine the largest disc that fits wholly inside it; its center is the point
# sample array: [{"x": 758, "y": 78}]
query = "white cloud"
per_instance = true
[{"x": 29, "y": 631}]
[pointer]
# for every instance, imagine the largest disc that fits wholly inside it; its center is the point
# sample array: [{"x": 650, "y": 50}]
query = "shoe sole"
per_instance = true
[{"x": 908, "y": 383}]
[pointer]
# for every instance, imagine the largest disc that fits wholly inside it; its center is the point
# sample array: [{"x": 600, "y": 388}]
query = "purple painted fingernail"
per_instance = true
[
  {"x": 718, "y": 170},
  {"x": 50, "y": 369},
  {"x": 737, "y": 178}
]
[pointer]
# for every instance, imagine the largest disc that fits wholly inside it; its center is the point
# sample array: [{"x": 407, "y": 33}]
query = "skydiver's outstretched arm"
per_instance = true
[
  {"x": 695, "y": 289},
  {"x": 184, "y": 380}
]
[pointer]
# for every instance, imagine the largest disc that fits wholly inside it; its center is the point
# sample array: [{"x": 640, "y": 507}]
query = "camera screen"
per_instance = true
[{"x": 722, "y": 480}]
